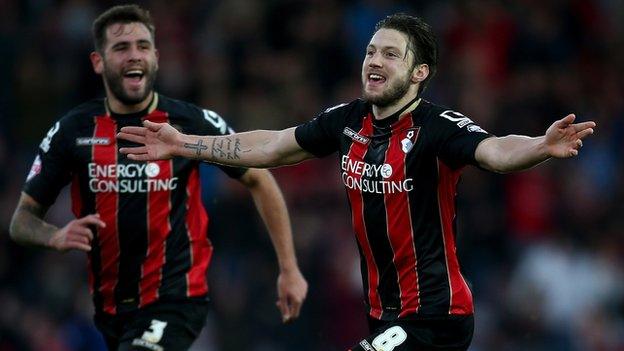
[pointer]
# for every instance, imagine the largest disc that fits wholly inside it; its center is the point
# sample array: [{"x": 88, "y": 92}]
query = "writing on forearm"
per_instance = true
[
  {"x": 226, "y": 148},
  {"x": 198, "y": 147}
]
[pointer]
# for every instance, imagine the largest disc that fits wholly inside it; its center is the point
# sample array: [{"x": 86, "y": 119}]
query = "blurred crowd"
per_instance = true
[{"x": 543, "y": 250}]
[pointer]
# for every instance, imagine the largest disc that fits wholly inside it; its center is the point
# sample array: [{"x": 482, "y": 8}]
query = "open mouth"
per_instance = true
[
  {"x": 375, "y": 78},
  {"x": 134, "y": 75}
]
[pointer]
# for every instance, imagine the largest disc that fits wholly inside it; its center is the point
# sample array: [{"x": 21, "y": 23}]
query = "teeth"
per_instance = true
[
  {"x": 134, "y": 72},
  {"x": 375, "y": 76}
]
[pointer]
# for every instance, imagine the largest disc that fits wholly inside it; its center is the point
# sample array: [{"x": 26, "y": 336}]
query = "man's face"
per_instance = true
[
  {"x": 387, "y": 68},
  {"x": 129, "y": 62}
]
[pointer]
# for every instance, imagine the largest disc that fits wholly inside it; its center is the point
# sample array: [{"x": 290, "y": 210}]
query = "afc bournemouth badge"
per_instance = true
[{"x": 410, "y": 139}]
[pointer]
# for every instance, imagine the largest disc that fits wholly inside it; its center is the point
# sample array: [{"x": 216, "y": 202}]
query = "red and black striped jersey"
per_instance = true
[
  {"x": 155, "y": 245},
  {"x": 400, "y": 175}
]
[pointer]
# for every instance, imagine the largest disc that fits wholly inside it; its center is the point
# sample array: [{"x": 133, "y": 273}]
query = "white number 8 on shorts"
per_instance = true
[{"x": 389, "y": 339}]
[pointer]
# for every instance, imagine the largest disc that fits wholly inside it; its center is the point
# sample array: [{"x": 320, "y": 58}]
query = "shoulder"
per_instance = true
[
  {"x": 193, "y": 118},
  {"x": 80, "y": 117},
  {"x": 348, "y": 111},
  {"x": 353, "y": 107},
  {"x": 444, "y": 121},
  {"x": 443, "y": 115},
  {"x": 84, "y": 112},
  {"x": 177, "y": 107}
]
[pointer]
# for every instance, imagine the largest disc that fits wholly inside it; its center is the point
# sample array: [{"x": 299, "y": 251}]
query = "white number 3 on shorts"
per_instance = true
[
  {"x": 155, "y": 331},
  {"x": 389, "y": 339}
]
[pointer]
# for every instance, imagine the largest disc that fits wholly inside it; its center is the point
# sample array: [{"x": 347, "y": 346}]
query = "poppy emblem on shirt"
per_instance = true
[{"x": 410, "y": 139}]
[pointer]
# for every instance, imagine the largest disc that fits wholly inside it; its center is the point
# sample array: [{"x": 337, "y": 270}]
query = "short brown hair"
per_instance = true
[
  {"x": 119, "y": 14},
  {"x": 421, "y": 41}
]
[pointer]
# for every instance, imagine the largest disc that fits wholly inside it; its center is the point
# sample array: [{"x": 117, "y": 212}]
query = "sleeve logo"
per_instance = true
[
  {"x": 462, "y": 121},
  {"x": 35, "y": 168},
  {"x": 45, "y": 143},
  {"x": 217, "y": 122},
  {"x": 92, "y": 141},
  {"x": 355, "y": 136}
]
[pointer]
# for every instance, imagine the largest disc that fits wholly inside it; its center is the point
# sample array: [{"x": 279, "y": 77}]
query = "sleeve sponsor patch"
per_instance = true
[
  {"x": 462, "y": 121},
  {"x": 45, "y": 143},
  {"x": 35, "y": 168}
]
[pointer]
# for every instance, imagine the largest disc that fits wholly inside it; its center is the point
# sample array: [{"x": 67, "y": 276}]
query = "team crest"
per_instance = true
[{"x": 410, "y": 139}]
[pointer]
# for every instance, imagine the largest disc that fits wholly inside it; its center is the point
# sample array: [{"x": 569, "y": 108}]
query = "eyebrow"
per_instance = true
[
  {"x": 383, "y": 47},
  {"x": 127, "y": 42}
]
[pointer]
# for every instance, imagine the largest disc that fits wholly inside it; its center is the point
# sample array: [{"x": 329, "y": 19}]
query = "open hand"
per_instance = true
[
  {"x": 564, "y": 139},
  {"x": 158, "y": 141}
]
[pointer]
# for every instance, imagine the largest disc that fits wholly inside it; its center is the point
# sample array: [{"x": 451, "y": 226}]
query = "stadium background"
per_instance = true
[{"x": 543, "y": 250}]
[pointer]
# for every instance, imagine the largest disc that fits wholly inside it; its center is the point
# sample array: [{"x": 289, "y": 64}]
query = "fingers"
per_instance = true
[
  {"x": 77, "y": 245},
  {"x": 93, "y": 219},
  {"x": 584, "y": 133},
  {"x": 135, "y": 138},
  {"x": 295, "y": 308},
  {"x": 566, "y": 121},
  {"x": 583, "y": 126},
  {"x": 290, "y": 307},
  {"x": 152, "y": 125},
  {"x": 282, "y": 305},
  {"x": 133, "y": 130},
  {"x": 140, "y": 157},
  {"x": 133, "y": 150}
]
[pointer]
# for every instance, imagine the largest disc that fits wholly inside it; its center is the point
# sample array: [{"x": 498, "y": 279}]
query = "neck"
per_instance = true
[
  {"x": 387, "y": 111},
  {"x": 118, "y": 107}
]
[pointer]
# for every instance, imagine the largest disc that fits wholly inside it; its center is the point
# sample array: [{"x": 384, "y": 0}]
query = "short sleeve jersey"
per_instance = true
[
  {"x": 400, "y": 175},
  {"x": 155, "y": 244}
]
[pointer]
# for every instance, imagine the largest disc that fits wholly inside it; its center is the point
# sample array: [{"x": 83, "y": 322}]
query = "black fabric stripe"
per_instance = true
[
  {"x": 376, "y": 228},
  {"x": 177, "y": 246},
  {"x": 132, "y": 223},
  {"x": 433, "y": 276}
]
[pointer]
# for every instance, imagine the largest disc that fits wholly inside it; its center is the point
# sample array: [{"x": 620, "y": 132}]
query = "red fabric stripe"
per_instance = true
[
  {"x": 158, "y": 225},
  {"x": 461, "y": 297},
  {"x": 399, "y": 222},
  {"x": 106, "y": 204},
  {"x": 158, "y": 228},
  {"x": 357, "y": 153},
  {"x": 200, "y": 246}
]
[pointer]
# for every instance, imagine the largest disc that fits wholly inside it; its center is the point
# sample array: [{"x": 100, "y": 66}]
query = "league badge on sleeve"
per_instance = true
[{"x": 35, "y": 168}]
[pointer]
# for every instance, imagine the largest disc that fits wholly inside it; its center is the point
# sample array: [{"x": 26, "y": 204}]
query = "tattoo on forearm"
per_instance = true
[
  {"x": 29, "y": 226},
  {"x": 226, "y": 148},
  {"x": 198, "y": 147}
]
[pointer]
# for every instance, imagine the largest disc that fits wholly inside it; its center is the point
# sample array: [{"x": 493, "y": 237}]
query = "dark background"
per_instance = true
[{"x": 542, "y": 249}]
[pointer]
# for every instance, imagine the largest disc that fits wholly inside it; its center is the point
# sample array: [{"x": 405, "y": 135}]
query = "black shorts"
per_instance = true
[
  {"x": 161, "y": 326},
  {"x": 449, "y": 334}
]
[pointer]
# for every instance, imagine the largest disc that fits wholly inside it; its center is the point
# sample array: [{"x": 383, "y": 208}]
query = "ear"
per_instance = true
[
  {"x": 420, "y": 73},
  {"x": 97, "y": 61},
  {"x": 157, "y": 53}
]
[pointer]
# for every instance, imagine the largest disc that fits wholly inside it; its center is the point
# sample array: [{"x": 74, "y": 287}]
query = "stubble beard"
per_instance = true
[
  {"x": 393, "y": 94},
  {"x": 114, "y": 80}
]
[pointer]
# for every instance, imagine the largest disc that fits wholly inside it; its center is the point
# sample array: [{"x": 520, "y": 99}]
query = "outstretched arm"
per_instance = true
[
  {"x": 563, "y": 139},
  {"x": 259, "y": 149},
  {"x": 29, "y": 228},
  {"x": 292, "y": 288}
]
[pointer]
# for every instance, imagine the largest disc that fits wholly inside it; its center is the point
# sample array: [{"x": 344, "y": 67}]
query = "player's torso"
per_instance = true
[
  {"x": 390, "y": 170},
  {"x": 152, "y": 211}
]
